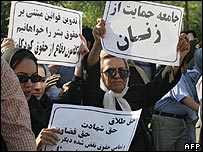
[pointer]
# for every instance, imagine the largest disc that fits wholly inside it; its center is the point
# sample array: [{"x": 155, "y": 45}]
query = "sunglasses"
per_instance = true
[
  {"x": 34, "y": 78},
  {"x": 111, "y": 72}
]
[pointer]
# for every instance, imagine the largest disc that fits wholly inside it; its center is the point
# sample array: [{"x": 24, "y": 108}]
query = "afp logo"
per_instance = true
[{"x": 192, "y": 146}]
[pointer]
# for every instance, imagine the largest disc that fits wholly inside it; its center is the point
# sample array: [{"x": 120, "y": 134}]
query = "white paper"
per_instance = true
[
  {"x": 142, "y": 31},
  {"x": 50, "y": 32},
  {"x": 87, "y": 128}
]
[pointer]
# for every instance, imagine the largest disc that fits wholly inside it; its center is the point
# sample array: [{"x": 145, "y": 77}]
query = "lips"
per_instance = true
[
  {"x": 27, "y": 93},
  {"x": 37, "y": 94},
  {"x": 117, "y": 82}
]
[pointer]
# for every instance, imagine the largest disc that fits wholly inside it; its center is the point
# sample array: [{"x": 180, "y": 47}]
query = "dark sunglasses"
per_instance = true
[
  {"x": 34, "y": 78},
  {"x": 111, "y": 72}
]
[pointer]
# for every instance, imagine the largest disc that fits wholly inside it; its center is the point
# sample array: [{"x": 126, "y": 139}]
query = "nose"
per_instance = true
[
  {"x": 117, "y": 74},
  {"x": 37, "y": 86}
]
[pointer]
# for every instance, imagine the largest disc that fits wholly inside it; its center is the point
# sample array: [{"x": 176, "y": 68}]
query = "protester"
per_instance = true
[
  {"x": 64, "y": 73},
  {"x": 39, "y": 90},
  {"x": 177, "y": 121},
  {"x": 194, "y": 74},
  {"x": 67, "y": 96},
  {"x": 193, "y": 40},
  {"x": 16, "y": 131},
  {"x": 112, "y": 92},
  {"x": 24, "y": 64},
  {"x": 139, "y": 76},
  {"x": 142, "y": 73}
]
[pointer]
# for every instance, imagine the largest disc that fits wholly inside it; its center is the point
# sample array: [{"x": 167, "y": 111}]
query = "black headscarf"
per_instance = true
[{"x": 14, "y": 56}]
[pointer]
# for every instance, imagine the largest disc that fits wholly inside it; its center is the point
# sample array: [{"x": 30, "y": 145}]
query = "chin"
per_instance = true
[
  {"x": 118, "y": 89},
  {"x": 38, "y": 98},
  {"x": 28, "y": 97}
]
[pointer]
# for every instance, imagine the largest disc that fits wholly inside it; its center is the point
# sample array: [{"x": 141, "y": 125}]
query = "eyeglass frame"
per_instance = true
[
  {"x": 27, "y": 78},
  {"x": 115, "y": 71}
]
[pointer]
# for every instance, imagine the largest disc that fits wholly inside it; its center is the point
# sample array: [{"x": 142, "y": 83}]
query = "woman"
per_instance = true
[
  {"x": 107, "y": 87},
  {"x": 24, "y": 64},
  {"x": 40, "y": 88}
]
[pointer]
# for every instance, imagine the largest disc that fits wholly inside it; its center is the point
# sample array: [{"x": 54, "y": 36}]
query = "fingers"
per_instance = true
[
  {"x": 47, "y": 136},
  {"x": 183, "y": 46},
  {"x": 182, "y": 41},
  {"x": 48, "y": 85},
  {"x": 83, "y": 47},
  {"x": 52, "y": 68},
  {"x": 101, "y": 26},
  {"x": 83, "y": 39},
  {"x": 7, "y": 44},
  {"x": 99, "y": 30},
  {"x": 66, "y": 86},
  {"x": 52, "y": 131},
  {"x": 7, "y": 41},
  {"x": 52, "y": 80}
]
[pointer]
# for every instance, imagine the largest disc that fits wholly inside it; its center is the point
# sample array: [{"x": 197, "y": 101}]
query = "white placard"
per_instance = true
[
  {"x": 50, "y": 32},
  {"x": 142, "y": 31},
  {"x": 87, "y": 128}
]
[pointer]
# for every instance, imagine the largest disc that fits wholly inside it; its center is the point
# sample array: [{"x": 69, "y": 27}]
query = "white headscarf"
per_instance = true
[{"x": 109, "y": 101}]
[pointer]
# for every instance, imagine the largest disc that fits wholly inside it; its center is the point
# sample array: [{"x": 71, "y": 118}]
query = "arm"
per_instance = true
[
  {"x": 72, "y": 90},
  {"x": 154, "y": 90},
  {"x": 82, "y": 51},
  {"x": 183, "y": 47},
  {"x": 98, "y": 31},
  {"x": 170, "y": 75},
  {"x": 189, "y": 102}
]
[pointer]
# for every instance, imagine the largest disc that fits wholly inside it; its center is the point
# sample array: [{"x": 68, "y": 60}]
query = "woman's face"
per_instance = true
[
  {"x": 40, "y": 86},
  {"x": 116, "y": 84},
  {"x": 27, "y": 68}
]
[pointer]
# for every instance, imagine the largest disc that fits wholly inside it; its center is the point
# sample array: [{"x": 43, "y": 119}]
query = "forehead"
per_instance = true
[
  {"x": 113, "y": 62},
  {"x": 26, "y": 66}
]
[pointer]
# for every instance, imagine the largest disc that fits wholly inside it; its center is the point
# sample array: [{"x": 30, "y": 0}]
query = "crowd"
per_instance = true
[{"x": 170, "y": 97}]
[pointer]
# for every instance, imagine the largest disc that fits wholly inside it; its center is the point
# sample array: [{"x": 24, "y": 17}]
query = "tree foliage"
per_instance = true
[
  {"x": 194, "y": 15},
  {"x": 5, "y": 13},
  {"x": 95, "y": 9}
]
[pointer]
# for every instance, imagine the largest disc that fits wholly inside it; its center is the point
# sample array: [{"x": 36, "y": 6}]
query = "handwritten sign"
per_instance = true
[
  {"x": 87, "y": 128},
  {"x": 50, "y": 32},
  {"x": 142, "y": 31}
]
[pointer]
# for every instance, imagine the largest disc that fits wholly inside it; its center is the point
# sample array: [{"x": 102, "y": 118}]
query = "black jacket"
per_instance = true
[
  {"x": 139, "y": 96},
  {"x": 39, "y": 117}
]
